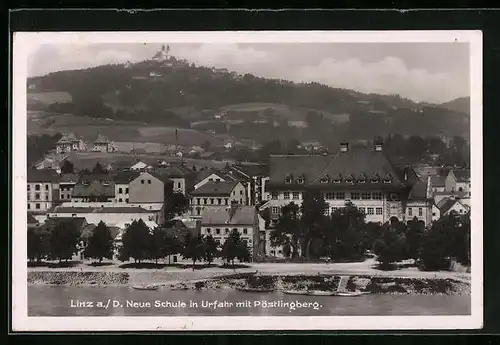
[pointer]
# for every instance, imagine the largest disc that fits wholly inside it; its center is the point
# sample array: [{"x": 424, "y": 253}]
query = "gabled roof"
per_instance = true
[
  {"x": 160, "y": 177},
  {"x": 447, "y": 205},
  {"x": 419, "y": 191},
  {"x": 42, "y": 176},
  {"x": 438, "y": 181},
  {"x": 353, "y": 164},
  {"x": 69, "y": 178},
  {"x": 94, "y": 188},
  {"x": 241, "y": 215},
  {"x": 216, "y": 188},
  {"x": 124, "y": 177},
  {"x": 67, "y": 138},
  {"x": 462, "y": 175}
]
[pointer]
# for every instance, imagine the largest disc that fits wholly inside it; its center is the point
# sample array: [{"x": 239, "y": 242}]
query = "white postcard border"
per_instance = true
[{"x": 25, "y": 42}]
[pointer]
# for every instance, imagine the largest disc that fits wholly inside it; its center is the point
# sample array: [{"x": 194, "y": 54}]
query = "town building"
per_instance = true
[
  {"x": 42, "y": 190},
  {"x": 420, "y": 202},
  {"x": 122, "y": 181},
  {"x": 69, "y": 143},
  {"x": 458, "y": 181},
  {"x": 103, "y": 144},
  {"x": 98, "y": 188},
  {"x": 150, "y": 188},
  {"x": 140, "y": 166},
  {"x": 161, "y": 55},
  {"x": 67, "y": 183},
  {"x": 220, "y": 221},
  {"x": 121, "y": 217},
  {"x": 217, "y": 194},
  {"x": 361, "y": 175},
  {"x": 51, "y": 162},
  {"x": 448, "y": 205},
  {"x": 209, "y": 175},
  {"x": 438, "y": 183},
  {"x": 182, "y": 177},
  {"x": 254, "y": 177}
]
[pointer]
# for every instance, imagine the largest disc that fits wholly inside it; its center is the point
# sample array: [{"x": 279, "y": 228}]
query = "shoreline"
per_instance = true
[{"x": 277, "y": 282}]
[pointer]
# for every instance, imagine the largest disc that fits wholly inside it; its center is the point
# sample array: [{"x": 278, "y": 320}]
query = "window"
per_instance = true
[
  {"x": 37, "y": 187},
  {"x": 120, "y": 200},
  {"x": 378, "y": 211},
  {"x": 211, "y": 180},
  {"x": 149, "y": 181},
  {"x": 198, "y": 200},
  {"x": 420, "y": 211},
  {"x": 120, "y": 191},
  {"x": 211, "y": 201},
  {"x": 377, "y": 196},
  {"x": 325, "y": 211},
  {"x": 329, "y": 196},
  {"x": 178, "y": 185},
  {"x": 217, "y": 231},
  {"x": 226, "y": 231},
  {"x": 374, "y": 180},
  {"x": 219, "y": 201},
  {"x": 433, "y": 214},
  {"x": 370, "y": 210},
  {"x": 126, "y": 190},
  {"x": 37, "y": 206},
  {"x": 286, "y": 195},
  {"x": 366, "y": 196},
  {"x": 387, "y": 180},
  {"x": 37, "y": 196},
  {"x": 362, "y": 209},
  {"x": 46, "y": 197},
  {"x": 324, "y": 179},
  {"x": 349, "y": 180},
  {"x": 334, "y": 209},
  {"x": 208, "y": 230},
  {"x": 275, "y": 210},
  {"x": 47, "y": 187},
  {"x": 410, "y": 211},
  {"x": 205, "y": 201},
  {"x": 241, "y": 192},
  {"x": 29, "y": 188},
  {"x": 217, "y": 242},
  {"x": 340, "y": 195},
  {"x": 126, "y": 200},
  {"x": 29, "y": 206},
  {"x": 460, "y": 189},
  {"x": 245, "y": 231},
  {"x": 355, "y": 195},
  {"x": 288, "y": 180},
  {"x": 274, "y": 195},
  {"x": 198, "y": 211},
  {"x": 142, "y": 181},
  {"x": 295, "y": 195},
  {"x": 226, "y": 202},
  {"x": 300, "y": 180}
]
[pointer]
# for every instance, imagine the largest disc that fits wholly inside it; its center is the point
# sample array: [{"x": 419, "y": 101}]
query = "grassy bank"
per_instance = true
[{"x": 279, "y": 282}]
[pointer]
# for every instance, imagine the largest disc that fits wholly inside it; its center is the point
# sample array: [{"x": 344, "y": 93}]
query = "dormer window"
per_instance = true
[
  {"x": 288, "y": 180},
  {"x": 362, "y": 178},
  {"x": 388, "y": 178},
  {"x": 375, "y": 179},
  {"x": 349, "y": 179},
  {"x": 337, "y": 179},
  {"x": 300, "y": 180},
  {"x": 325, "y": 179}
]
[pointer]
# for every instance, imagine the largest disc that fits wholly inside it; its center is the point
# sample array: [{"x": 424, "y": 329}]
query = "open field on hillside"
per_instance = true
[{"x": 49, "y": 97}]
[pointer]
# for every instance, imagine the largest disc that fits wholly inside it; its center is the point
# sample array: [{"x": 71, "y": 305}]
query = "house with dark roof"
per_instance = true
[
  {"x": 362, "y": 175},
  {"x": 94, "y": 188},
  {"x": 182, "y": 177},
  {"x": 254, "y": 178},
  {"x": 69, "y": 142},
  {"x": 67, "y": 183},
  {"x": 420, "y": 202},
  {"x": 217, "y": 193},
  {"x": 122, "y": 181},
  {"x": 103, "y": 144},
  {"x": 448, "y": 205},
  {"x": 458, "y": 181},
  {"x": 438, "y": 183},
  {"x": 219, "y": 222},
  {"x": 42, "y": 189}
]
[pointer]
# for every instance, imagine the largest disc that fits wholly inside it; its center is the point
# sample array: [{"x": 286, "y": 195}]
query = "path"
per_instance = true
[{"x": 343, "y": 284}]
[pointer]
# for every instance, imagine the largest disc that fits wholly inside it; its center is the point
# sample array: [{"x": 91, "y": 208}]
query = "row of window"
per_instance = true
[
  {"x": 332, "y": 195},
  {"x": 220, "y": 201},
  {"x": 366, "y": 210},
  {"x": 300, "y": 180},
  {"x": 420, "y": 211},
  {"x": 120, "y": 190},
  {"x": 37, "y": 196},
  {"x": 38, "y": 187},
  {"x": 226, "y": 231},
  {"x": 37, "y": 206}
]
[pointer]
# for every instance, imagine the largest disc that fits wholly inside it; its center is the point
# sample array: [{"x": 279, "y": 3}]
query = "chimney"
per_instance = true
[
  {"x": 405, "y": 173},
  {"x": 344, "y": 146},
  {"x": 378, "y": 144}
]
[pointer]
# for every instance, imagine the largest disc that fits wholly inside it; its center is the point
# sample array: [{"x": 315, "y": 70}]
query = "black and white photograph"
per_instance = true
[{"x": 247, "y": 180}]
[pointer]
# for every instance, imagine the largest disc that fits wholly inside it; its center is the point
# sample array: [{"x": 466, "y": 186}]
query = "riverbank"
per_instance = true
[{"x": 374, "y": 284}]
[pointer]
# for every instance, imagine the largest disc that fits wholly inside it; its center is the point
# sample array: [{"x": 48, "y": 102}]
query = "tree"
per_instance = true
[
  {"x": 177, "y": 204},
  {"x": 312, "y": 220},
  {"x": 194, "y": 248},
  {"x": 100, "y": 244},
  {"x": 38, "y": 243},
  {"x": 346, "y": 232},
  {"x": 158, "y": 242},
  {"x": 414, "y": 238},
  {"x": 206, "y": 145},
  {"x": 391, "y": 247},
  {"x": 172, "y": 245},
  {"x": 288, "y": 229},
  {"x": 67, "y": 167},
  {"x": 211, "y": 250},
  {"x": 63, "y": 241},
  {"x": 235, "y": 248},
  {"x": 136, "y": 242},
  {"x": 98, "y": 169}
]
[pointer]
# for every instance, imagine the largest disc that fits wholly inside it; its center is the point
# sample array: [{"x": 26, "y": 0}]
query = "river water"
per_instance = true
[{"x": 124, "y": 301}]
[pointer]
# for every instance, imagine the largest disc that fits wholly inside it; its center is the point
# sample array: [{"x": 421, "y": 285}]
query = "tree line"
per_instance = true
[
  {"x": 305, "y": 232},
  {"x": 138, "y": 242}
]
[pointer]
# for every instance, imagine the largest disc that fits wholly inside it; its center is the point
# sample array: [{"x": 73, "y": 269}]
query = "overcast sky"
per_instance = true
[{"x": 431, "y": 72}]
